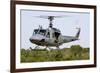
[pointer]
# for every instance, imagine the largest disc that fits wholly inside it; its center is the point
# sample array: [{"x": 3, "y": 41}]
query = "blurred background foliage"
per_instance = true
[{"x": 75, "y": 52}]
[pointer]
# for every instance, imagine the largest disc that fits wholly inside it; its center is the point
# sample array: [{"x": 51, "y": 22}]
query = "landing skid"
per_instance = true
[
  {"x": 47, "y": 48},
  {"x": 37, "y": 47}
]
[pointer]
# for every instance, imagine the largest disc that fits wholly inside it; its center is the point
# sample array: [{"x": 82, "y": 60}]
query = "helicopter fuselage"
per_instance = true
[
  {"x": 47, "y": 40},
  {"x": 44, "y": 41},
  {"x": 51, "y": 36}
]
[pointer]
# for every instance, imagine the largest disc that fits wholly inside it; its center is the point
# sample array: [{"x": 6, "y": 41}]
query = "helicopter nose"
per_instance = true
[
  {"x": 31, "y": 39},
  {"x": 35, "y": 38}
]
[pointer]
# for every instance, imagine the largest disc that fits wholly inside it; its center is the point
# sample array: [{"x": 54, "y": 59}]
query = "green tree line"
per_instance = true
[{"x": 75, "y": 52}]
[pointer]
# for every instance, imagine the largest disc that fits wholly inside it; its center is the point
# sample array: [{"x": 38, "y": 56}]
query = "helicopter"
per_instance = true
[{"x": 51, "y": 37}]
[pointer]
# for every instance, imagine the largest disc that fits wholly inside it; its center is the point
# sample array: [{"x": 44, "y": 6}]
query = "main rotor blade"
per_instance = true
[{"x": 46, "y": 17}]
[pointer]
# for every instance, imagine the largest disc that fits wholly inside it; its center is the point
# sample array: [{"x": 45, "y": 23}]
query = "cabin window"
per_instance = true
[
  {"x": 53, "y": 35},
  {"x": 56, "y": 34}
]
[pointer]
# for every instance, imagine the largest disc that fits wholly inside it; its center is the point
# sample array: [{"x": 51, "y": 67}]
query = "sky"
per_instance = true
[{"x": 67, "y": 24}]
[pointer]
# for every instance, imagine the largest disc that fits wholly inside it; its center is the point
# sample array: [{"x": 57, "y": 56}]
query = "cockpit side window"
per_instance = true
[{"x": 42, "y": 32}]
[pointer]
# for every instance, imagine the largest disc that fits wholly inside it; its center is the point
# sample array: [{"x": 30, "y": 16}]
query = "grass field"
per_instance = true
[{"x": 75, "y": 52}]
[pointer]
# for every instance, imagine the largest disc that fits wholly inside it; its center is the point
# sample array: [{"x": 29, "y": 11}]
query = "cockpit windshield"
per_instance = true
[
  {"x": 36, "y": 31},
  {"x": 41, "y": 31}
]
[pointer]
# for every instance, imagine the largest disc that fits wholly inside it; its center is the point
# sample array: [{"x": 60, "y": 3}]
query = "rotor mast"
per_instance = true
[{"x": 50, "y": 18}]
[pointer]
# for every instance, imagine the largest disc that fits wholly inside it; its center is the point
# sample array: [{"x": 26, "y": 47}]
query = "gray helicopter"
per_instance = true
[{"x": 51, "y": 37}]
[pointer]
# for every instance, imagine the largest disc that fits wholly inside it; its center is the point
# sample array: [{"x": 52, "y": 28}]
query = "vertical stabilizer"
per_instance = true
[{"x": 78, "y": 33}]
